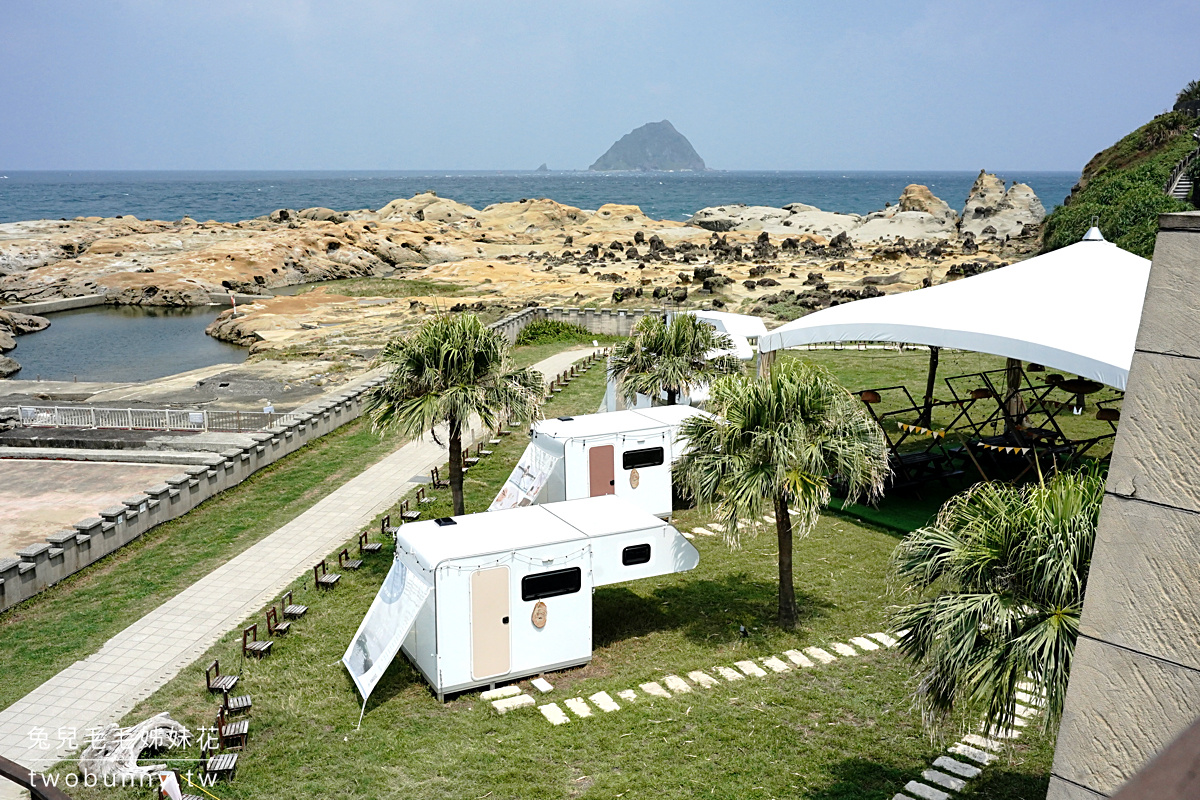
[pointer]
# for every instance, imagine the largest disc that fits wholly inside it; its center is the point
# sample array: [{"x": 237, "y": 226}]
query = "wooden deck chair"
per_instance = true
[
  {"x": 407, "y": 514},
  {"x": 231, "y": 735},
  {"x": 323, "y": 578},
  {"x": 160, "y": 791},
  {"x": 479, "y": 451},
  {"x": 214, "y": 762},
  {"x": 367, "y": 547},
  {"x": 251, "y": 646},
  {"x": 237, "y": 705},
  {"x": 290, "y": 609},
  {"x": 436, "y": 479},
  {"x": 216, "y": 682},
  {"x": 274, "y": 626},
  {"x": 424, "y": 499},
  {"x": 345, "y": 562}
]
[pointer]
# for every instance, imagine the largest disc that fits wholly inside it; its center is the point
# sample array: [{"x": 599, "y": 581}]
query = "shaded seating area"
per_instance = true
[{"x": 999, "y": 423}]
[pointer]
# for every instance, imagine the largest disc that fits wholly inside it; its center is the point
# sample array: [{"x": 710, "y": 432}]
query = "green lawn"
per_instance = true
[{"x": 845, "y": 730}]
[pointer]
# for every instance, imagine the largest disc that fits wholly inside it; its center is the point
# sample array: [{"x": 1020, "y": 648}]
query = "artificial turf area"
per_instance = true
[{"x": 842, "y": 730}]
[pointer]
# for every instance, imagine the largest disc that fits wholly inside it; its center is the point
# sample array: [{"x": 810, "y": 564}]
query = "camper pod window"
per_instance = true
[
  {"x": 635, "y": 554},
  {"x": 640, "y": 459},
  {"x": 551, "y": 584}
]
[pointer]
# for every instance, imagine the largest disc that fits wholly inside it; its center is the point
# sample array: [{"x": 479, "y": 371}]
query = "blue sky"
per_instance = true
[{"x": 292, "y": 84}]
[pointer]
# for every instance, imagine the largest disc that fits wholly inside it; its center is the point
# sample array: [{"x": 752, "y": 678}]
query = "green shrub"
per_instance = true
[
  {"x": 547, "y": 331},
  {"x": 1122, "y": 188}
]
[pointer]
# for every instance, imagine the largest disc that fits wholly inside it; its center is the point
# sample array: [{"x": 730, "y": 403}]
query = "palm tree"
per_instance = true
[
  {"x": 1001, "y": 572},
  {"x": 671, "y": 358},
  {"x": 777, "y": 443},
  {"x": 449, "y": 370}
]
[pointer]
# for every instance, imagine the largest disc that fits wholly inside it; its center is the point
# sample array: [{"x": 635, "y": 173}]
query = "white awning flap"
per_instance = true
[
  {"x": 1076, "y": 310},
  {"x": 384, "y": 628}
]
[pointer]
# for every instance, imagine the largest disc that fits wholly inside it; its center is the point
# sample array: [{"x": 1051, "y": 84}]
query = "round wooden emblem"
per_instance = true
[
  {"x": 634, "y": 478},
  {"x": 539, "y": 615}
]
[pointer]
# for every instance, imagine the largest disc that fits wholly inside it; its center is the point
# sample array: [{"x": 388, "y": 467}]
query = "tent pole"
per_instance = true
[
  {"x": 360, "y": 714},
  {"x": 927, "y": 414},
  {"x": 1013, "y": 403}
]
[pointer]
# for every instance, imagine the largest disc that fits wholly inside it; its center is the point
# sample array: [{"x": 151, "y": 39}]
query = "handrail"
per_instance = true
[
  {"x": 149, "y": 419},
  {"x": 28, "y": 779},
  {"x": 1182, "y": 167}
]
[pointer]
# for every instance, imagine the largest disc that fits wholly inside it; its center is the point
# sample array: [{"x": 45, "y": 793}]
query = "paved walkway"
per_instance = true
[{"x": 142, "y": 658}]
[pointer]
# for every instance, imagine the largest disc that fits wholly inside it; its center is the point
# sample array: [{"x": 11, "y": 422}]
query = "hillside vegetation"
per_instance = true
[{"x": 1122, "y": 187}]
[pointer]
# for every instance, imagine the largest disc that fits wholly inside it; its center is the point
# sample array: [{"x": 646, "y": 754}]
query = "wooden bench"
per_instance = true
[
  {"x": 251, "y": 646},
  {"x": 237, "y": 705},
  {"x": 216, "y": 682},
  {"x": 274, "y": 626},
  {"x": 290, "y": 609},
  {"x": 436, "y": 480},
  {"x": 161, "y": 793},
  {"x": 368, "y": 548},
  {"x": 424, "y": 499},
  {"x": 407, "y": 514},
  {"x": 323, "y": 578},
  {"x": 345, "y": 562},
  {"x": 221, "y": 765},
  {"x": 231, "y": 735},
  {"x": 479, "y": 451}
]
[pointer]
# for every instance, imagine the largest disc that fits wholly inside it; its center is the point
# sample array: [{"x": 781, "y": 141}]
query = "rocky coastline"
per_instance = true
[{"x": 445, "y": 255}]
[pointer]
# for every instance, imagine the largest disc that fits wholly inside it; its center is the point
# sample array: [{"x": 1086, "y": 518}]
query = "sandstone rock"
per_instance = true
[
  {"x": 321, "y": 215},
  {"x": 1006, "y": 212},
  {"x": 916, "y": 197},
  {"x": 679, "y": 294},
  {"x": 8, "y": 367}
]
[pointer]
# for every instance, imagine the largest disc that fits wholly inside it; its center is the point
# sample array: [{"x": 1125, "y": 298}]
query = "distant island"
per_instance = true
[{"x": 656, "y": 146}]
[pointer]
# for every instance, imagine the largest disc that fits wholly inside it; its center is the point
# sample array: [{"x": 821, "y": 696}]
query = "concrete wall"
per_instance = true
[
  {"x": 62, "y": 304},
  {"x": 69, "y": 551},
  {"x": 1135, "y": 682},
  {"x": 603, "y": 321}
]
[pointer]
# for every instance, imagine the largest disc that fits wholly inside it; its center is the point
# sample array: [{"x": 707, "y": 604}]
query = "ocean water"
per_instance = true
[{"x": 233, "y": 196}]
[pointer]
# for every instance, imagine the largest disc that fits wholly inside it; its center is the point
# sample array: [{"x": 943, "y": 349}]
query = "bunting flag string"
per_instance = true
[
  {"x": 917, "y": 429},
  {"x": 1003, "y": 449}
]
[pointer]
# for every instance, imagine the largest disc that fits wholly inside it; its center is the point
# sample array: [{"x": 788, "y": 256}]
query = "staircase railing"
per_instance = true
[{"x": 1182, "y": 167}]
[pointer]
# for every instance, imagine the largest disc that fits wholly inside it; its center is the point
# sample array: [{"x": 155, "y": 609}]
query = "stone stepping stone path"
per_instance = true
[
  {"x": 730, "y": 674},
  {"x": 604, "y": 702},
  {"x": 512, "y": 696},
  {"x": 506, "y": 704},
  {"x": 776, "y": 665},
  {"x": 503, "y": 691},
  {"x": 817, "y": 654},
  {"x": 951, "y": 774},
  {"x": 554, "y": 714},
  {"x": 677, "y": 684},
  {"x": 654, "y": 689},
  {"x": 750, "y": 668},
  {"x": 579, "y": 707}
]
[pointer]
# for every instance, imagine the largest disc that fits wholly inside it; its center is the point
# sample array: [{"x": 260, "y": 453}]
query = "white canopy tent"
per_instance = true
[{"x": 1076, "y": 310}]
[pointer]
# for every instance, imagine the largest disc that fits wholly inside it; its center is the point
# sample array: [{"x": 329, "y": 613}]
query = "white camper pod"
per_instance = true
[
  {"x": 627, "y": 453},
  {"x": 512, "y": 591}
]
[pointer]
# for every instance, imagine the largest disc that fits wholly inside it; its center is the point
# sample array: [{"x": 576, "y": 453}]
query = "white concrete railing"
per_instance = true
[{"x": 148, "y": 419}]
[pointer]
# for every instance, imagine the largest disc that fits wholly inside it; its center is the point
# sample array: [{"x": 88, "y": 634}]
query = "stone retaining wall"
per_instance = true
[
  {"x": 603, "y": 321},
  {"x": 68, "y": 551}
]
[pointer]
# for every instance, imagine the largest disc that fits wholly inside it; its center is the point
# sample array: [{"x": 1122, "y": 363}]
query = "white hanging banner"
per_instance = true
[
  {"x": 384, "y": 628},
  {"x": 526, "y": 481}
]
